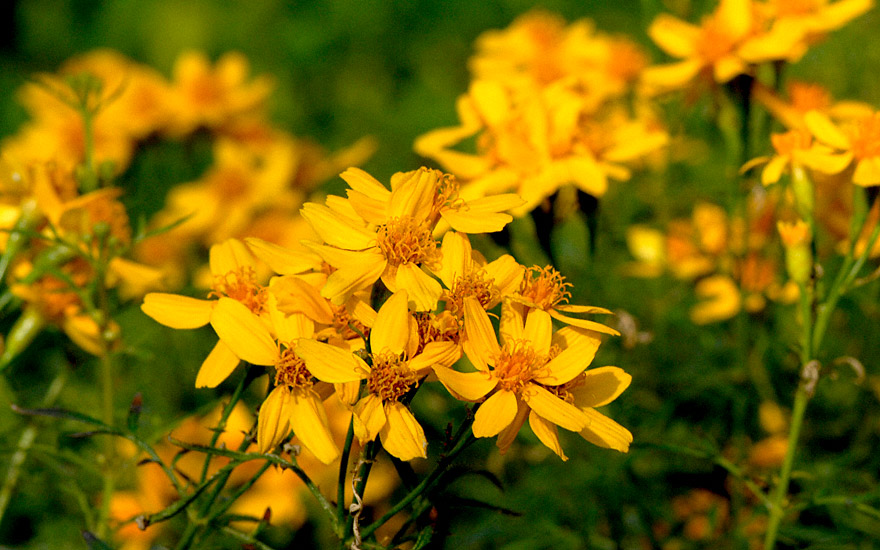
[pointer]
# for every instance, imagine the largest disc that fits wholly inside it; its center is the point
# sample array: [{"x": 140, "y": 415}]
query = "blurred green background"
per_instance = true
[{"x": 345, "y": 69}]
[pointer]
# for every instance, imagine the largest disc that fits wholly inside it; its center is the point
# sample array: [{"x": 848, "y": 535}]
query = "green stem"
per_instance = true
[
  {"x": 28, "y": 436},
  {"x": 340, "y": 483},
  {"x": 776, "y": 502},
  {"x": 368, "y": 455},
  {"x": 109, "y": 451},
  {"x": 419, "y": 489},
  {"x": 224, "y": 417}
]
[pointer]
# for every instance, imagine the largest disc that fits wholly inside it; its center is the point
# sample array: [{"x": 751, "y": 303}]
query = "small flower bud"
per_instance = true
[{"x": 798, "y": 256}]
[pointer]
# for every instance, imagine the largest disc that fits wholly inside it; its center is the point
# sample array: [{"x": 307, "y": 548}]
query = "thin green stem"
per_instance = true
[
  {"x": 777, "y": 510},
  {"x": 340, "y": 482},
  {"x": 224, "y": 417}
]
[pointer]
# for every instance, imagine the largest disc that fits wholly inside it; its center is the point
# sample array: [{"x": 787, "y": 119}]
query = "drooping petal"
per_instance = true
[
  {"x": 773, "y": 170},
  {"x": 466, "y": 386},
  {"x": 362, "y": 272},
  {"x": 604, "y": 432},
  {"x": 495, "y": 414},
  {"x": 553, "y": 408},
  {"x": 571, "y": 362},
  {"x": 508, "y": 434},
  {"x": 601, "y": 386},
  {"x": 484, "y": 215},
  {"x": 294, "y": 295},
  {"x": 272, "y": 423},
  {"x": 482, "y": 344},
  {"x": 243, "y": 332},
  {"x": 538, "y": 330},
  {"x": 424, "y": 290},
  {"x": 546, "y": 433},
  {"x": 369, "y": 418},
  {"x": 583, "y": 323},
  {"x": 180, "y": 312},
  {"x": 308, "y": 419},
  {"x": 867, "y": 172},
  {"x": 402, "y": 436},
  {"x": 217, "y": 366}
]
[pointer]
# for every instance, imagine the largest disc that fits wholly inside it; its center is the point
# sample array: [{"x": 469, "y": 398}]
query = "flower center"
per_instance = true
[
  {"x": 807, "y": 97},
  {"x": 866, "y": 138},
  {"x": 447, "y": 192},
  {"x": 517, "y": 364},
  {"x": 626, "y": 60},
  {"x": 241, "y": 285},
  {"x": 404, "y": 240},
  {"x": 444, "y": 327},
  {"x": 390, "y": 377},
  {"x": 346, "y": 326},
  {"x": 473, "y": 284},
  {"x": 789, "y": 142},
  {"x": 291, "y": 370},
  {"x": 544, "y": 286}
]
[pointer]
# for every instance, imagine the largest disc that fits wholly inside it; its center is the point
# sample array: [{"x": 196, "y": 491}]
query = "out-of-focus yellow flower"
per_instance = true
[
  {"x": 537, "y": 375},
  {"x": 804, "y": 97},
  {"x": 727, "y": 43},
  {"x": 386, "y": 234},
  {"x": 397, "y": 367},
  {"x": 212, "y": 97},
  {"x": 858, "y": 140},
  {"x": 538, "y": 48},
  {"x": 814, "y": 18},
  {"x": 796, "y": 149}
]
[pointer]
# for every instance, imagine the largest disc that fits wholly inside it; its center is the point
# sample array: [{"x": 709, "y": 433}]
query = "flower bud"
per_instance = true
[{"x": 798, "y": 256}]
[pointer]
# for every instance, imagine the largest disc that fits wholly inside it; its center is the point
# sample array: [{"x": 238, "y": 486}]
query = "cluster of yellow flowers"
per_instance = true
[
  {"x": 315, "y": 328},
  {"x": 550, "y": 105}
]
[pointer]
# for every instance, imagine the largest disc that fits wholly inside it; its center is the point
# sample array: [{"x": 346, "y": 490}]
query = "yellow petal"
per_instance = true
[
  {"x": 721, "y": 300},
  {"x": 583, "y": 323},
  {"x": 490, "y": 99},
  {"x": 413, "y": 193},
  {"x": 347, "y": 280},
  {"x": 867, "y": 172},
  {"x": 735, "y": 16},
  {"x": 309, "y": 423},
  {"x": 495, "y": 414},
  {"x": 483, "y": 215},
  {"x": 466, "y": 386},
  {"x": 294, "y": 295},
  {"x": 511, "y": 324},
  {"x": 508, "y": 434},
  {"x": 457, "y": 257},
  {"x": 571, "y": 362},
  {"x": 546, "y": 433},
  {"x": 424, "y": 290},
  {"x": 372, "y": 210},
  {"x": 553, "y": 408},
  {"x": 538, "y": 330},
  {"x": 217, "y": 366},
  {"x": 671, "y": 76},
  {"x": 272, "y": 423},
  {"x": 773, "y": 171},
  {"x": 506, "y": 273},
  {"x": 825, "y": 131},
  {"x": 435, "y": 354},
  {"x": 572, "y": 308},
  {"x": 604, "y": 432},
  {"x": 176, "y": 311},
  {"x": 482, "y": 344},
  {"x": 228, "y": 256},
  {"x": 330, "y": 363},
  {"x": 369, "y": 418},
  {"x": 674, "y": 36},
  {"x": 283, "y": 260},
  {"x": 391, "y": 331},
  {"x": 243, "y": 332},
  {"x": 361, "y": 181},
  {"x": 402, "y": 436},
  {"x": 601, "y": 386},
  {"x": 337, "y": 230}
]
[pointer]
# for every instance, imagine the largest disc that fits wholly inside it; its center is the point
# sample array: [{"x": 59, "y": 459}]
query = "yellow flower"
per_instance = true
[
  {"x": 804, "y": 97},
  {"x": 214, "y": 96},
  {"x": 397, "y": 367},
  {"x": 726, "y": 44},
  {"x": 795, "y": 148},
  {"x": 858, "y": 140},
  {"x": 531, "y": 375},
  {"x": 386, "y": 234},
  {"x": 232, "y": 267}
]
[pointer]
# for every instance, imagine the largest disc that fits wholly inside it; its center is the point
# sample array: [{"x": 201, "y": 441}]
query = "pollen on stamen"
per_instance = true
[
  {"x": 390, "y": 377},
  {"x": 291, "y": 370},
  {"x": 544, "y": 286},
  {"x": 241, "y": 285},
  {"x": 405, "y": 240},
  {"x": 473, "y": 284},
  {"x": 517, "y": 363}
]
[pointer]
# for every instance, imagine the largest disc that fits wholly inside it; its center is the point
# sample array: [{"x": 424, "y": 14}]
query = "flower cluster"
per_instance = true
[
  {"x": 549, "y": 106},
  {"x": 358, "y": 317}
]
